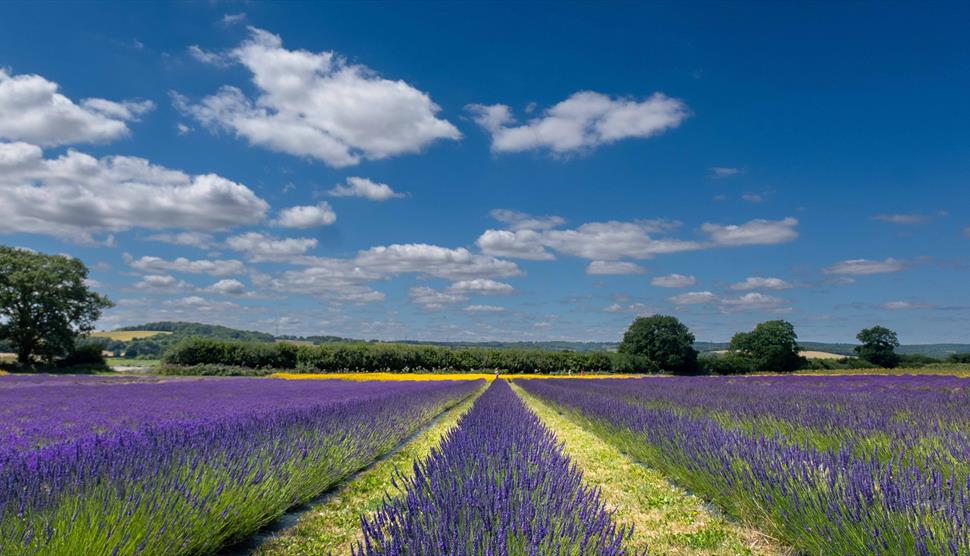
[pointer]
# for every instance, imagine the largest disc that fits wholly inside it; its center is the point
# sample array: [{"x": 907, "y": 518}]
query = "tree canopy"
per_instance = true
[
  {"x": 878, "y": 346},
  {"x": 45, "y": 303},
  {"x": 771, "y": 346},
  {"x": 664, "y": 340}
]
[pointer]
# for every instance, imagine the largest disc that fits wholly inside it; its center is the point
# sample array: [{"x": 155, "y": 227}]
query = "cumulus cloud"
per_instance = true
[
  {"x": 903, "y": 305},
  {"x": 522, "y": 244},
  {"x": 190, "y": 239},
  {"x": 161, "y": 283},
  {"x": 32, "y": 110},
  {"x": 481, "y": 286},
  {"x": 614, "y": 268},
  {"x": 309, "y": 216},
  {"x": 363, "y": 187},
  {"x": 76, "y": 195},
  {"x": 693, "y": 298},
  {"x": 724, "y": 171},
  {"x": 484, "y": 309},
  {"x": 761, "y": 283},
  {"x": 330, "y": 279},
  {"x": 753, "y": 301},
  {"x": 904, "y": 218},
  {"x": 157, "y": 265},
  {"x": 316, "y": 104},
  {"x": 432, "y": 299},
  {"x": 637, "y": 308},
  {"x": 227, "y": 286},
  {"x": 866, "y": 266},
  {"x": 673, "y": 281},
  {"x": 583, "y": 121},
  {"x": 754, "y": 232},
  {"x": 264, "y": 248},
  {"x": 516, "y": 220},
  {"x": 433, "y": 260}
]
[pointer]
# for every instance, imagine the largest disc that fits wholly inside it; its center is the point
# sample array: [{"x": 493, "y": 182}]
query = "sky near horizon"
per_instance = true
[{"x": 484, "y": 171}]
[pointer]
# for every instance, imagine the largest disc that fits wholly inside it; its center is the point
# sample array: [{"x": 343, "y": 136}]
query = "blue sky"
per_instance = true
[{"x": 478, "y": 171}]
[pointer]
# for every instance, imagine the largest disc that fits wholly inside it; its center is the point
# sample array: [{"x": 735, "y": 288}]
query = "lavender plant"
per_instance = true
[
  {"x": 498, "y": 484},
  {"x": 183, "y": 467},
  {"x": 833, "y": 465}
]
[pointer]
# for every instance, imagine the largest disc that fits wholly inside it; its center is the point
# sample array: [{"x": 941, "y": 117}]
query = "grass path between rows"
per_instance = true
[
  {"x": 333, "y": 525},
  {"x": 667, "y": 520}
]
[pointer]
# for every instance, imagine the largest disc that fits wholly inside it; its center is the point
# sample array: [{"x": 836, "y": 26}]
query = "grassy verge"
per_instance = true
[
  {"x": 333, "y": 525},
  {"x": 666, "y": 519},
  {"x": 122, "y": 362}
]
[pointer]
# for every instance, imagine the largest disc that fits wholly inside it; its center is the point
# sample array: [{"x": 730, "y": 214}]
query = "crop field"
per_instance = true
[
  {"x": 127, "y": 335},
  {"x": 454, "y": 464}
]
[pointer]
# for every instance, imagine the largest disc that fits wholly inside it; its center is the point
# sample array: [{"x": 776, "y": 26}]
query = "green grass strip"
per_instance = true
[
  {"x": 333, "y": 525},
  {"x": 667, "y": 520}
]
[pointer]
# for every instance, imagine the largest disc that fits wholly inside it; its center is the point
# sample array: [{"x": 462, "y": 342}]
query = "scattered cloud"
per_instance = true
[
  {"x": 516, "y": 220},
  {"x": 753, "y": 301},
  {"x": 162, "y": 283},
  {"x": 761, "y": 283},
  {"x": 693, "y": 298},
  {"x": 484, "y": 309},
  {"x": 309, "y": 216},
  {"x": 318, "y": 105},
  {"x": 725, "y": 171},
  {"x": 905, "y": 219},
  {"x": 752, "y": 198},
  {"x": 264, "y": 248},
  {"x": 432, "y": 299},
  {"x": 673, "y": 281},
  {"x": 32, "y": 110},
  {"x": 866, "y": 266},
  {"x": 582, "y": 122},
  {"x": 614, "y": 268},
  {"x": 182, "y": 129},
  {"x": 190, "y": 239},
  {"x": 233, "y": 19},
  {"x": 903, "y": 305},
  {"x": 363, "y": 187},
  {"x": 754, "y": 232},
  {"x": 637, "y": 308},
  {"x": 76, "y": 195},
  {"x": 481, "y": 286},
  {"x": 522, "y": 244},
  {"x": 157, "y": 265},
  {"x": 227, "y": 286},
  {"x": 432, "y": 260}
]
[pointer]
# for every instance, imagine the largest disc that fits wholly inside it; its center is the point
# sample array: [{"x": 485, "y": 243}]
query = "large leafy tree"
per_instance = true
[
  {"x": 771, "y": 346},
  {"x": 44, "y": 303},
  {"x": 664, "y": 340},
  {"x": 878, "y": 346}
]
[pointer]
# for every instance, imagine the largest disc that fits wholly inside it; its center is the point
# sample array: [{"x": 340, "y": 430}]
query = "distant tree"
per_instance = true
[
  {"x": 44, "y": 303},
  {"x": 771, "y": 346},
  {"x": 664, "y": 340},
  {"x": 878, "y": 346},
  {"x": 958, "y": 358}
]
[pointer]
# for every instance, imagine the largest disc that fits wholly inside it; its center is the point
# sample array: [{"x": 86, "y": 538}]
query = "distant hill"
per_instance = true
[{"x": 175, "y": 331}]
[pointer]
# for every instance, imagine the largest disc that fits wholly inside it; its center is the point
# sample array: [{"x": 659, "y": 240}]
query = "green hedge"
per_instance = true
[{"x": 365, "y": 357}]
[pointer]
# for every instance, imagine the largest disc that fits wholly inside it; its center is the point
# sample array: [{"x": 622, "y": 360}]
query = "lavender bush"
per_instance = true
[
  {"x": 832, "y": 465},
  {"x": 101, "y": 466},
  {"x": 498, "y": 484}
]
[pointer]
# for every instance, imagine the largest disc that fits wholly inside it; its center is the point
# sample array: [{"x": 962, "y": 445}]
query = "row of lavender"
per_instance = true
[
  {"x": 184, "y": 467},
  {"x": 499, "y": 483},
  {"x": 832, "y": 465}
]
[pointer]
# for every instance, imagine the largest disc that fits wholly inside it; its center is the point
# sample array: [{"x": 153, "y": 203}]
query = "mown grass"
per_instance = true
[
  {"x": 667, "y": 520},
  {"x": 332, "y": 526}
]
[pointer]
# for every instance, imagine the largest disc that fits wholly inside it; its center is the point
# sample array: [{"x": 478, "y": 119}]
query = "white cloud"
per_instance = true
[
  {"x": 329, "y": 279},
  {"x": 673, "y": 281},
  {"x": 32, "y": 110},
  {"x": 484, "y": 309},
  {"x": 761, "y": 283},
  {"x": 433, "y": 299},
  {"x": 264, "y": 248},
  {"x": 157, "y": 265},
  {"x": 76, "y": 195},
  {"x": 522, "y": 244},
  {"x": 866, "y": 266},
  {"x": 903, "y": 305},
  {"x": 516, "y": 220},
  {"x": 195, "y": 305},
  {"x": 724, "y": 171},
  {"x": 182, "y": 129},
  {"x": 693, "y": 298},
  {"x": 752, "y": 301},
  {"x": 583, "y": 121},
  {"x": 481, "y": 286},
  {"x": 309, "y": 216},
  {"x": 754, "y": 232},
  {"x": 232, "y": 19},
  {"x": 752, "y": 198},
  {"x": 613, "y": 240},
  {"x": 614, "y": 268},
  {"x": 432, "y": 260},
  {"x": 191, "y": 239},
  {"x": 228, "y": 286},
  {"x": 638, "y": 308},
  {"x": 162, "y": 283},
  {"x": 904, "y": 218},
  {"x": 363, "y": 187},
  {"x": 316, "y": 104}
]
